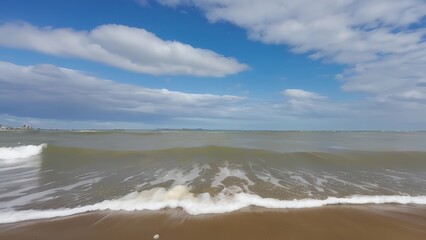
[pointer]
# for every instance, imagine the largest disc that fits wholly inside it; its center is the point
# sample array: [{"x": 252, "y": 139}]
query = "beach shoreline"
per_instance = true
[{"x": 386, "y": 221}]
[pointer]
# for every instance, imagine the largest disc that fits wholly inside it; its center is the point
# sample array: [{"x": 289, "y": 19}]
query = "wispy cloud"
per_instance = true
[
  {"x": 55, "y": 97},
  {"x": 381, "y": 43},
  {"x": 47, "y": 91},
  {"x": 124, "y": 47},
  {"x": 302, "y": 94}
]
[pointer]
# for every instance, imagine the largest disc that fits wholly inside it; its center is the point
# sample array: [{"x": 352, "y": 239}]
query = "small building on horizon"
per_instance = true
[{"x": 26, "y": 127}]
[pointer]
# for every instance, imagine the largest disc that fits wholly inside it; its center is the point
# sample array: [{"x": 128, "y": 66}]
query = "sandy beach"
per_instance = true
[{"x": 336, "y": 222}]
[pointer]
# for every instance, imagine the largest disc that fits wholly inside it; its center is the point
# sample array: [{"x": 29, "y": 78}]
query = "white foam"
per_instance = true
[
  {"x": 194, "y": 204},
  {"x": 21, "y": 152},
  {"x": 179, "y": 176},
  {"x": 267, "y": 177},
  {"x": 227, "y": 171},
  {"x": 300, "y": 179},
  {"x": 33, "y": 197}
]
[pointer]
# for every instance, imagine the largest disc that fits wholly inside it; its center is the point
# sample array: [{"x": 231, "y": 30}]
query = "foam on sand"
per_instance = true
[{"x": 194, "y": 204}]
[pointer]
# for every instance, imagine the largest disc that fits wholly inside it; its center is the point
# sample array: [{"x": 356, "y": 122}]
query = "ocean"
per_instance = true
[{"x": 188, "y": 184}]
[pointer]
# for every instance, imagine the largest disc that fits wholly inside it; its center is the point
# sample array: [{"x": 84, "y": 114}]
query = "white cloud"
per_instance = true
[
  {"x": 301, "y": 94},
  {"x": 380, "y": 42},
  {"x": 48, "y": 91},
  {"x": 302, "y": 103},
  {"x": 53, "y": 97},
  {"x": 128, "y": 48}
]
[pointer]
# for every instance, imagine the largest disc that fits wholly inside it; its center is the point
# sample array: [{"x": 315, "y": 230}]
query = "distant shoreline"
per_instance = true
[{"x": 202, "y": 130}]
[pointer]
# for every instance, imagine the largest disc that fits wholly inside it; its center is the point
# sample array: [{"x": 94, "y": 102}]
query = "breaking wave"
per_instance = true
[
  {"x": 21, "y": 152},
  {"x": 181, "y": 197}
]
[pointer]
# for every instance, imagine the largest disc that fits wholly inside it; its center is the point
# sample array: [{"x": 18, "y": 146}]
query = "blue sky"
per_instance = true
[{"x": 216, "y": 64}]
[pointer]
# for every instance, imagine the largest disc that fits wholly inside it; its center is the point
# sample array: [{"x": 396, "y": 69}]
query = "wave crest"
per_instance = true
[
  {"x": 21, "y": 152},
  {"x": 195, "y": 204}
]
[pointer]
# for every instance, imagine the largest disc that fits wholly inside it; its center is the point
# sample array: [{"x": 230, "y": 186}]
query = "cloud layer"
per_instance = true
[
  {"x": 381, "y": 42},
  {"x": 47, "y": 91},
  {"x": 51, "y": 96},
  {"x": 128, "y": 48}
]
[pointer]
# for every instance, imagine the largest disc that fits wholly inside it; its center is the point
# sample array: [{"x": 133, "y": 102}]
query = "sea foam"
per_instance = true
[
  {"x": 195, "y": 204},
  {"x": 21, "y": 152}
]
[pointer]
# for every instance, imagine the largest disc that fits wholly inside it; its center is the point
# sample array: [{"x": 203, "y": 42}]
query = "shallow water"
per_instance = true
[{"x": 52, "y": 173}]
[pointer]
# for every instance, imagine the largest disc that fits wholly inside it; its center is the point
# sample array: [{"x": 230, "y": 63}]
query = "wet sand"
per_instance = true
[{"x": 333, "y": 222}]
